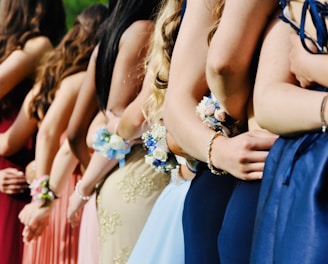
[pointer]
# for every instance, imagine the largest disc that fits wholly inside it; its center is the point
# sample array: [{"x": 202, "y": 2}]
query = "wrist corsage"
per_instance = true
[
  {"x": 211, "y": 113},
  {"x": 41, "y": 192},
  {"x": 158, "y": 154},
  {"x": 111, "y": 146}
]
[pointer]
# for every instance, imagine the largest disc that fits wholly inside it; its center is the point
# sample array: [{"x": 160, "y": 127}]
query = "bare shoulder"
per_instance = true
[
  {"x": 138, "y": 29},
  {"x": 38, "y": 44},
  {"x": 73, "y": 81}
]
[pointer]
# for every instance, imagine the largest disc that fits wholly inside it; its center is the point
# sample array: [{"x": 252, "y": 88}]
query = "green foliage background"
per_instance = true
[{"x": 74, "y": 7}]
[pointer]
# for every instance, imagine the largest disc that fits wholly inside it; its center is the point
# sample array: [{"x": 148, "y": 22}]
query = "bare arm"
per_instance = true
[
  {"x": 23, "y": 128},
  {"x": 132, "y": 123},
  {"x": 308, "y": 68},
  {"x": 129, "y": 66},
  {"x": 97, "y": 168},
  {"x": 55, "y": 123},
  {"x": 229, "y": 57},
  {"x": 244, "y": 155},
  {"x": 22, "y": 64},
  {"x": 126, "y": 83},
  {"x": 84, "y": 110},
  {"x": 281, "y": 106},
  {"x": 62, "y": 167},
  {"x": 187, "y": 83},
  {"x": 124, "y": 65}
]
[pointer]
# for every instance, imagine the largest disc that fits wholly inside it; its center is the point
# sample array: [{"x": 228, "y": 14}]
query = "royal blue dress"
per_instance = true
[{"x": 292, "y": 216}]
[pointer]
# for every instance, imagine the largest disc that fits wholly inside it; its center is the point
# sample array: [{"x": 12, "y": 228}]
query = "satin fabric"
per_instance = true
[
  {"x": 203, "y": 214},
  {"x": 292, "y": 216}
]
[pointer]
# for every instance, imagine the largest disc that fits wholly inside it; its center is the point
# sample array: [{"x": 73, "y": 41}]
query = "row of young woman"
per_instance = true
[{"x": 203, "y": 214}]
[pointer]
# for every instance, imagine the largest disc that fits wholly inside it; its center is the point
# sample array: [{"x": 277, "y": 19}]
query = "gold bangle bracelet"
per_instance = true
[
  {"x": 209, "y": 150},
  {"x": 322, "y": 113}
]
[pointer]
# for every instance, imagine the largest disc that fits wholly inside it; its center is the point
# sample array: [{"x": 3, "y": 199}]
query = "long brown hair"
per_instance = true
[
  {"x": 21, "y": 20},
  {"x": 69, "y": 57}
]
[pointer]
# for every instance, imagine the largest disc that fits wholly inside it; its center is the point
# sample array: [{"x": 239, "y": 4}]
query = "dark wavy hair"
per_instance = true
[
  {"x": 70, "y": 56},
  {"x": 125, "y": 12},
  {"x": 21, "y": 20}
]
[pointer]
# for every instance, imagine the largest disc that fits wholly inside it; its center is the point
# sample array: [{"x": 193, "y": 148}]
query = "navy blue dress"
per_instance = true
[{"x": 204, "y": 209}]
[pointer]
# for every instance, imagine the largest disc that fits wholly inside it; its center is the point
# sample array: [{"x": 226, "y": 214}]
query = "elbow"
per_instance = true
[
  {"x": 5, "y": 150},
  {"x": 74, "y": 139},
  {"x": 218, "y": 67},
  {"x": 133, "y": 130},
  {"x": 225, "y": 65},
  {"x": 259, "y": 110},
  {"x": 44, "y": 136},
  {"x": 166, "y": 111}
]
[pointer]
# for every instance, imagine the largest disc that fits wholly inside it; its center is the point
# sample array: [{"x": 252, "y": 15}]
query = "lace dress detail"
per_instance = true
[{"x": 124, "y": 202}]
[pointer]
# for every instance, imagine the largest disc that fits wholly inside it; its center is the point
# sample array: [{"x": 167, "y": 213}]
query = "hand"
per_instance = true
[
  {"x": 35, "y": 219},
  {"x": 243, "y": 156},
  {"x": 299, "y": 58},
  {"x": 30, "y": 172},
  {"x": 12, "y": 181},
  {"x": 74, "y": 209}
]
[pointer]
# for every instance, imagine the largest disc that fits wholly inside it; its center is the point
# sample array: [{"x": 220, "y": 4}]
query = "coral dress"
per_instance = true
[
  {"x": 59, "y": 242},
  {"x": 11, "y": 244}
]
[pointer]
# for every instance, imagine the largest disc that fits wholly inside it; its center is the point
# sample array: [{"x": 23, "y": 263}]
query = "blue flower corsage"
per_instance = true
[
  {"x": 211, "y": 113},
  {"x": 158, "y": 154},
  {"x": 111, "y": 146}
]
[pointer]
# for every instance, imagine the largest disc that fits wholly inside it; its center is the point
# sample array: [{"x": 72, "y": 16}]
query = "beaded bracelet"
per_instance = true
[
  {"x": 209, "y": 149},
  {"x": 322, "y": 114},
  {"x": 77, "y": 192},
  {"x": 41, "y": 192}
]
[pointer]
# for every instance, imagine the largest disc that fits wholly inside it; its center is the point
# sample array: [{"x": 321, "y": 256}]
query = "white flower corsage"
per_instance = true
[
  {"x": 214, "y": 116},
  {"x": 158, "y": 154},
  {"x": 111, "y": 146}
]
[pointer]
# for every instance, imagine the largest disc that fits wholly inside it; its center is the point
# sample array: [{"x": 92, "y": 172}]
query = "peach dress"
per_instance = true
[{"x": 59, "y": 242}]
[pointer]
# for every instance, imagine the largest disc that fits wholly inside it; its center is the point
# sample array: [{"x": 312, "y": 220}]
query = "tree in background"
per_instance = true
[{"x": 74, "y": 7}]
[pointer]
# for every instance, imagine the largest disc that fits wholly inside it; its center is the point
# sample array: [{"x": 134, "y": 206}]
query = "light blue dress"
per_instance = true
[{"x": 161, "y": 240}]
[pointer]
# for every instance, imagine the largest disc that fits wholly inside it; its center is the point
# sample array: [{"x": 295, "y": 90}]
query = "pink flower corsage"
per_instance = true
[{"x": 41, "y": 192}]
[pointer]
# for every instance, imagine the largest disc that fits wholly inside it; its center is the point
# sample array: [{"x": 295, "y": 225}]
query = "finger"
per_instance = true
[
  {"x": 17, "y": 188},
  {"x": 26, "y": 234},
  {"x": 254, "y": 157},
  {"x": 30, "y": 232},
  {"x": 16, "y": 191},
  {"x": 75, "y": 219},
  {"x": 14, "y": 179},
  {"x": 264, "y": 143},
  {"x": 253, "y": 176},
  {"x": 24, "y": 215},
  {"x": 14, "y": 171},
  {"x": 38, "y": 231},
  {"x": 262, "y": 134}
]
